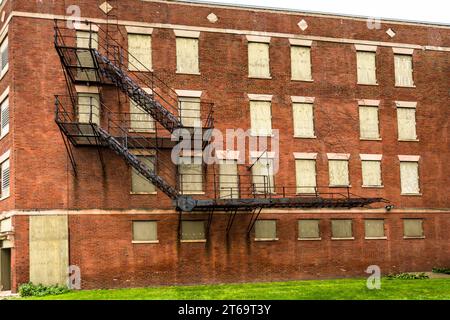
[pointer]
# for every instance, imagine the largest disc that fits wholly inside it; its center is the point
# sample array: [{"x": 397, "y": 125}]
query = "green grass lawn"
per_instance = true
[{"x": 343, "y": 289}]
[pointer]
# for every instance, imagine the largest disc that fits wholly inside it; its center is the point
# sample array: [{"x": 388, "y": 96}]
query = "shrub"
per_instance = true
[
  {"x": 441, "y": 270},
  {"x": 408, "y": 276},
  {"x": 33, "y": 290}
]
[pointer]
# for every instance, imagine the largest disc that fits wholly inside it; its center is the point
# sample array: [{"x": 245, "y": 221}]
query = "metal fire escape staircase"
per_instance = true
[{"x": 103, "y": 65}]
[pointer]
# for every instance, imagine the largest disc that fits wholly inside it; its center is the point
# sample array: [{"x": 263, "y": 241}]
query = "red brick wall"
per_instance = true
[{"x": 101, "y": 246}]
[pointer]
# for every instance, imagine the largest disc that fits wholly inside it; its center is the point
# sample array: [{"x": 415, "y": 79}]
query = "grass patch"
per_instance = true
[{"x": 342, "y": 289}]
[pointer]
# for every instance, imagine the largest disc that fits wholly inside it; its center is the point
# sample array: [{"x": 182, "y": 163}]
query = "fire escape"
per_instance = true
[{"x": 95, "y": 57}]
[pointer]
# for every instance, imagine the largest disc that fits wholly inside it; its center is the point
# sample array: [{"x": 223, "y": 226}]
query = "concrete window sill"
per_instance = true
[
  {"x": 266, "y": 240},
  {"x": 4, "y": 197},
  {"x": 303, "y": 80},
  {"x": 408, "y": 140},
  {"x": 189, "y": 73},
  {"x": 4, "y": 134},
  {"x": 309, "y": 239},
  {"x": 143, "y": 193},
  {"x": 305, "y": 137},
  {"x": 193, "y": 241},
  {"x": 145, "y": 242},
  {"x": 410, "y": 87},
  {"x": 368, "y": 84},
  {"x": 134, "y": 70},
  {"x": 370, "y": 139},
  {"x": 193, "y": 193},
  {"x": 349, "y": 186},
  {"x": 411, "y": 194},
  {"x": 262, "y": 78},
  {"x": 338, "y": 239},
  {"x": 373, "y": 187},
  {"x": 375, "y": 238},
  {"x": 412, "y": 238}
]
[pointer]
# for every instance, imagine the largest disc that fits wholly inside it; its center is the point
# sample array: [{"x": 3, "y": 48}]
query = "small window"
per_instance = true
[
  {"x": 140, "y": 120},
  {"x": 261, "y": 118},
  {"x": 308, "y": 230},
  {"x": 5, "y": 179},
  {"x": 145, "y": 231},
  {"x": 409, "y": 177},
  {"x": 187, "y": 56},
  {"x": 341, "y": 229},
  {"x": 262, "y": 176},
  {"x": 140, "y": 52},
  {"x": 338, "y": 171},
  {"x": 4, "y": 56},
  {"x": 228, "y": 179},
  {"x": 140, "y": 184},
  {"x": 305, "y": 175},
  {"x": 191, "y": 175},
  {"x": 368, "y": 122},
  {"x": 413, "y": 228},
  {"x": 4, "y": 117},
  {"x": 403, "y": 70},
  {"x": 193, "y": 231},
  {"x": 367, "y": 70},
  {"x": 301, "y": 63},
  {"x": 374, "y": 229},
  {"x": 371, "y": 173},
  {"x": 190, "y": 112},
  {"x": 266, "y": 230},
  {"x": 86, "y": 40},
  {"x": 303, "y": 114},
  {"x": 258, "y": 60},
  {"x": 89, "y": 108},
  {"x": 406, "y": 120}
]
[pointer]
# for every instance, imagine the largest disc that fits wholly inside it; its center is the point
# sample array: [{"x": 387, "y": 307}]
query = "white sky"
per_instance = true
[{"x": 416, "y": 10}]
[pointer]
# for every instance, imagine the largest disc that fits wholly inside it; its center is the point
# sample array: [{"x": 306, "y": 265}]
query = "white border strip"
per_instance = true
[
  {"x": 5, "y": 156},
  {"x": 361, "y": 47},
  {"x": 404, "y": 158},
  {"x": 305, "y": 156},
  {"x": 139, "y": 30},
  {"x": 260, "y": 97},
  {"x": 406, "y": 104},
  {"x": 187, "y": 34},
  {"x": 403, "y": 51},
  {"x": 227, "y": 155},
  {"x": 371, "y": 103},
  {"x": 338, "y": 156},
  {"x": 262, "y": 154},
  {"x": 371, "y": 157},
  {"x": 297, "y": 99},
  {"x": 300, "y": 42},
  {"x": 258, "y": 39},
  {"x": 189, "y": 93}
]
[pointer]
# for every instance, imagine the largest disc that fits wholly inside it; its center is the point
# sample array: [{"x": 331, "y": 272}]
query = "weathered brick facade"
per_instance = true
[{"x": 98, "y": 201}]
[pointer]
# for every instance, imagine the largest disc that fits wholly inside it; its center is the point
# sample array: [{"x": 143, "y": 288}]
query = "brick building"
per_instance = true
[{"x": 361, "y": 110}]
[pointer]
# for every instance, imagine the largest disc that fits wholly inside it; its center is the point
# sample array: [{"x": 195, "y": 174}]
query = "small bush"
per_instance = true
[
  {"x": 33, "y": 290},
  {"x": 441, "y": 270},
  {"x": 408, "y": 276}
]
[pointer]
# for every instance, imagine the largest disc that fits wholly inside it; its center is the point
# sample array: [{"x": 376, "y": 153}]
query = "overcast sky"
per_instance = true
[{"x": 416, "y": 10}]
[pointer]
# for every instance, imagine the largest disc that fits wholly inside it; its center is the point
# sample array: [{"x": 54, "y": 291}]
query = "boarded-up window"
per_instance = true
[
  {"x": 406, "y": 119},
  {"x": 262, "y": 176},
  {"x": 261, "y": 118},
  {"x": 140, "y": 184},
  {"x": 366, "y": 62},
  {"x": 140, "y": 120},
  {"x": 187, "y": 55},
  {"x": 305, "y": 171},
  {"x": 374, "y": 228},
  {"x": 140, "y": 52},
  {"x": 191, "y": 175},
  {"x": 145, "y": 231},
  {"x": 258, "y": 60},
  {"x": 301, "y": 63},
  {"x": 413, "y": 228},
  {"x": 190, "y": 112},
  {"x": 371, "y": 173},
  {"x": 89, "y": 108},
  {"x": 341, "y": 229},
  {"x": 308, "y": 229},
  {"x": 409, "y": 176},
  {"x": 303, "y": 120},
  {"x": 228, "y": 179},
  {"x": 4, "y": 117},
  {"x": 266, "y": 230},
  {"x": 338, "y": 171},
  {"x": 5, "y": 179},
  {"x": 86, "y": 40},
  {"x": 368, "y": 122},
  {"x": 403, "y": 70},
  {"x": 4, "y": 56},
  {"x": 193, "y": 230}
]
